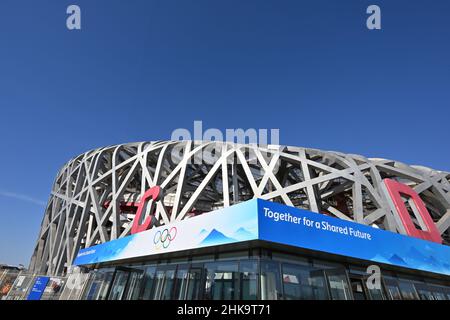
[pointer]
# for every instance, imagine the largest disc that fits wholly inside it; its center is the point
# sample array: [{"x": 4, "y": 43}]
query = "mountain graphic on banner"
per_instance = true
[
  {"x": 397, "y": 260},
  {"x": 203, "y": 233},
  {"x": 418, "y": 258},
  {"x": 243, "y": 234},
  {"x": 415, "y": 254},
  {"x": 216, "y": 237}
]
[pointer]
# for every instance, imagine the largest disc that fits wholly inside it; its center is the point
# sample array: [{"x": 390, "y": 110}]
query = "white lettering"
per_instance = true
[
  {"x": 374, "y": 20},
  {"x": 73, "y": 21}
]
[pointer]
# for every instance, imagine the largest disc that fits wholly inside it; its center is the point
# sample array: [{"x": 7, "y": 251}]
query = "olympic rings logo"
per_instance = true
[{"x": 164, "y": 238}]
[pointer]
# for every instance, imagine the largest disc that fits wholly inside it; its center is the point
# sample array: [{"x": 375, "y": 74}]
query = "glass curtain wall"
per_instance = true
[
  {"x": 100, "y": 282},
  {"x": 267, "y": 278}
]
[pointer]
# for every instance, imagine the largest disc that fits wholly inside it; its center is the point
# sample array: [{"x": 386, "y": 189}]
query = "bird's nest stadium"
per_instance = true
[{"x": 167, "y": 220}]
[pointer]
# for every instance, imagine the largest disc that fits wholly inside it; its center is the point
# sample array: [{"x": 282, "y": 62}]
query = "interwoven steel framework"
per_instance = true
[{"x": 90, "y": 199}]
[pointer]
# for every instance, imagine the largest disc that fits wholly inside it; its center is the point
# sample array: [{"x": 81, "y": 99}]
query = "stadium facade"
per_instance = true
[{"x": 218, "y": 220}]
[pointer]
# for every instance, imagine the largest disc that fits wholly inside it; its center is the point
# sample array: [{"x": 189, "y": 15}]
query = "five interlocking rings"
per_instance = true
[{"x": 165, "y": 237}]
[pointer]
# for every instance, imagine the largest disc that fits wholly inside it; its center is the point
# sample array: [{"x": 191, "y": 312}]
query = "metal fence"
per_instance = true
[
  {"x": 20, "y": 288},
  {"x": 18, "y": 285}
]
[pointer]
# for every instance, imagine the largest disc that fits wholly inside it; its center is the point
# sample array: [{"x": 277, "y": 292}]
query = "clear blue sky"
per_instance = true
[{"x": 139, "y": 69}]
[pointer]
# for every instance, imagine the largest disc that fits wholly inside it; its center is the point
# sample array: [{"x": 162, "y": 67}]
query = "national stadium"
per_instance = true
[{"x": 166, "y": 220}]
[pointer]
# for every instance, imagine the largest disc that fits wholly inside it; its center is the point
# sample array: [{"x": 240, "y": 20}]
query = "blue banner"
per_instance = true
[
  {"x": 301, "y": 228},
  {"x": 38, "y": 288},
  {"x": 234, "y": 224},
  {"x": 273, "y": 222}
]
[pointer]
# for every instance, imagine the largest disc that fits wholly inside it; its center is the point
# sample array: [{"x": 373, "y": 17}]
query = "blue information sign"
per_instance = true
[{"x": 38, "y": 288}]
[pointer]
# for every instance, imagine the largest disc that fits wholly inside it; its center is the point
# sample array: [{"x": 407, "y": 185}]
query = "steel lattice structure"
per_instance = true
[{"x": 87, "y": 203}]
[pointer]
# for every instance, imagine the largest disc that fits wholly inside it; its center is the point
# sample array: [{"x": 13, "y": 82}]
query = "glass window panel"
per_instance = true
[
  {"x": 424, "y": 292},
  {"x": 339, "y": 288},
  {"x": 392, "y": 288},
  {"x": 358, "y": 289},
  {"x": 376, "y": 294},
  {"x": 164, "y": 284},
  {"x": 439, "y": 292},
  {"x": 302, "y": 282},
  {"x": 134, "y": 285},
  {"x": 159, "y": 284},
  {"x": 439, "y": 295},
  {"x": 362, "y": 287},
  {"x": 270, "y": 280},
  {"x": 222, "y": 281},
  {"x": 181, "y": 283},
  {"x": 394, "y": 292},
  {"x": 194, "y": 286},
  {"x": 169, "y": 285},
  {"x": 249, "y": 279},
  {"x": 407, "y": 290},
  {"x": 118, "y": 285},
  {"x": 99, "y": 285},
  {"x": 148, "y": 281}
]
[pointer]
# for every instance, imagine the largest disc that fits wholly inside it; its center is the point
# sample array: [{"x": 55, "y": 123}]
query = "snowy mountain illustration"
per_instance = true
[
  {"x": 216, "y": 237},
  {"x": 417, "y": 258},
  {"x": 414, "y": 258},
  {"x": 381, "y": 259},
  {"x": 203, "y": 233},
  {"x": 243, "y": 234},
  {"x": 397, "y": 260},
  {"x": 415, "y": 254}
]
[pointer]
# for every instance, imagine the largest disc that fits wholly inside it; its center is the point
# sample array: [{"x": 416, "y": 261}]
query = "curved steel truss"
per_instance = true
[{"x": 91, "y": 196}]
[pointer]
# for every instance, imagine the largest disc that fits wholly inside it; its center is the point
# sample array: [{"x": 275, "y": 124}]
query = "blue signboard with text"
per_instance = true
[
  {"x": 38, "y": 288},
  {"x": 301, "y": 228}
]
